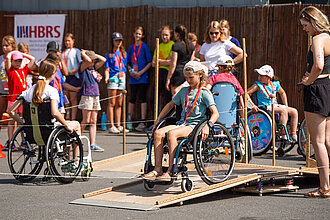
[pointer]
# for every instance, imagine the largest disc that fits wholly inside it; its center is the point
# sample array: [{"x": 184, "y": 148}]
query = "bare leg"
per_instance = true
[
  {"x": 118, "y": 106},
  {"x": 73, "y": 102},
  {"x": 86, "y": 119},
  {"x": 111, "y": 105},
  {"x": 3, "y": 105},
  {"x": 92, "y": 127},
  {"x": 294, "y": 118},
  {"x": 317, "y": 126},
  {"x": 172, "y": 137},
  {"x": 131, "y": 108},
  {"x": 143, "y": 111}
]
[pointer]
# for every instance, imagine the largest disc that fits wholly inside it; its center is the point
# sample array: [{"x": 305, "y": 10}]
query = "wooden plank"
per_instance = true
[
  {"x": 109, "y": 189},
  {"x": 100, "y": 162},
  {"x": 207, "y": 190}
]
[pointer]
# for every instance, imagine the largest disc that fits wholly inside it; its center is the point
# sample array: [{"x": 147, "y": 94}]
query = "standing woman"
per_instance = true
[
  {"x": 182, "y": 51},
  {"x": 317, "y": 92},
  {"x": 226, "y": 30},
  {"x": 115, "y": 78},
  {"x": 72, "y": 59},
  {"x": 217, "y": 45}
]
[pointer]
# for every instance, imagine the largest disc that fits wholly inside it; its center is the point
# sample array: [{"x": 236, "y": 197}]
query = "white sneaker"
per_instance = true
[
  {"x": 140, "y": 127},
  {"x": 294, "y": 138},
  {"x": 121, "y": 129},
  {"x": 283, "y": 137},
  {"x": 114, "y": 130}
]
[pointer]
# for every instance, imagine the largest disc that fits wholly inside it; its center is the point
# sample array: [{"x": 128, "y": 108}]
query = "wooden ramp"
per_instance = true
[{"x": 133, "y": 195}]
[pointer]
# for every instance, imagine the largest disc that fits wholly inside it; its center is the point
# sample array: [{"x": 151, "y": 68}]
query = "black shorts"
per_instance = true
[
  {"x": 138, "y": 88},
  {"x": 177, "y": 78},
  {"x": 317, "y": 97},
  {"x": 72, "y": 80}
]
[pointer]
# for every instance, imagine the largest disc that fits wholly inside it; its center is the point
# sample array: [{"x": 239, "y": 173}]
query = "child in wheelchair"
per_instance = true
[
  {"x": 42, "y": 91},
  {"x": 266, "y": 87},
  {"x": 194, "y": 100},
  {"x": 225, "y": 66}
]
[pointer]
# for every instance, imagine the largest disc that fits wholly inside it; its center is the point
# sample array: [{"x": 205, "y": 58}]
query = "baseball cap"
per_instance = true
[
  {"x": 225, "y": 60},
  {"x": 53, "y": 46},
  {"x": 117, "y": 36},
  {"x": 17, "y": 55},
  {"x": 192, "y": 67},
  {"x": 91, "y": 54},
  {"x": 265, "y": 70}
]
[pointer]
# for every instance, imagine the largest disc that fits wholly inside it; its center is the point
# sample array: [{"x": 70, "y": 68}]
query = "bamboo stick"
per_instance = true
[{"x": 156, "y": 80}]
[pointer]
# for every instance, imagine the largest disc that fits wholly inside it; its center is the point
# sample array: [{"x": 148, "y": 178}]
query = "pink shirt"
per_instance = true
[{"x": 224, "y": 77}]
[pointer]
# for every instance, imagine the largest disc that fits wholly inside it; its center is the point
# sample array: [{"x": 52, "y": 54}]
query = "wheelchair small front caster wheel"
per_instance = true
[
  {"x": 85, "y": 175},
  {"x": 187, "y": 185},
  {"x": 148, "y": 186}
]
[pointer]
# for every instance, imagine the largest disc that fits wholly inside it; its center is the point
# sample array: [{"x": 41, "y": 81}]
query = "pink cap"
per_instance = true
[{"x": 17, "y": 55}]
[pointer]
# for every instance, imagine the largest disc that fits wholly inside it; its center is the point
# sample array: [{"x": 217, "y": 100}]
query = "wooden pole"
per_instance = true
[
  {"x": 272, "y": 96},
  {"x": 246, "y": 143},
  {"x": 156, "y": 80},
  {"x": 124, "y": 121}
]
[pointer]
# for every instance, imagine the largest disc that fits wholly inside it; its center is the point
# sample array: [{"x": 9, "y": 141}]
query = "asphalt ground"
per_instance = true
[{"x": 50, "y": 200}]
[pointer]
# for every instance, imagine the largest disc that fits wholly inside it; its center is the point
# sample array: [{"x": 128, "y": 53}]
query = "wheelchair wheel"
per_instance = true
[
  {"x": 25, "y": 162},
  {"x": 260, "y": 125},
  {"x": 215, "y": 157},
  {"x": 302, "y": 136},
  {"x": 187, "y": 185},
  {"x": 64, "y": 155},
  {"x": 240, "y": 141}
]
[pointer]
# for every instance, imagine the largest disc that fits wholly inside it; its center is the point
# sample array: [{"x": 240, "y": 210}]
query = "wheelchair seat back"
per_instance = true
[
  {"x": 39, "y": 122},
  {"x": 226, "y": 102}
]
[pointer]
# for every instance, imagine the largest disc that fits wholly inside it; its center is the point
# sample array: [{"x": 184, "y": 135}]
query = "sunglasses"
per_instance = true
[
  {"x": 216, "y": 33},
  {"x": 188, "y": 70}
]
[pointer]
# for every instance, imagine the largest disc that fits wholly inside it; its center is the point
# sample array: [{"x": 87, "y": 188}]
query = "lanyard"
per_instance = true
[
  {"x": 135, "y": 56},
  {"x": 118, "y": 58},
  {"x": 66, "y": 58},
  {"x": 267, "y": 90},
  {"x": 196, "y": 50},
  {"x": 22, "y": 80},
  {"x": 186, "y": 103},
  {"x": 57, "y": 82}
]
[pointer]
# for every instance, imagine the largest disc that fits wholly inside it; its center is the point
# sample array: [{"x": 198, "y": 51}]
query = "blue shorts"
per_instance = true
[{"x": 116, "y": 82}]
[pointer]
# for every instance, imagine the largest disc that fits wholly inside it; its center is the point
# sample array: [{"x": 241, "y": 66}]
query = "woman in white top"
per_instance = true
[{"x": 216, "y": 45}]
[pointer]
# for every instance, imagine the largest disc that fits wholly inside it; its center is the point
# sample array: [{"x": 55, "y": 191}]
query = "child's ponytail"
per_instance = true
[{"x": 46, "y": 70}]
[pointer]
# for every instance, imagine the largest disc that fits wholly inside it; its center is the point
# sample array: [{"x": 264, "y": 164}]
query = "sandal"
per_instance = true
[
  {"x": 166, "y": 177},
  {"x": 151, "y": 175},
  {"x": 314, "y": 194},
  {"x": 324, "y": 193}
]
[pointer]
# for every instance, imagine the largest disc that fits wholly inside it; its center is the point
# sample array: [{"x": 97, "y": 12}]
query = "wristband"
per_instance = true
[{"x": 210, "y": 124}]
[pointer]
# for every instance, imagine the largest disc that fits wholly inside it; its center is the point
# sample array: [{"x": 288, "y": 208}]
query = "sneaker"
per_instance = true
[
  {"x": 284, "y": 137},
  {"x": 114, "y": 130},
  {"x": 294, "y": 138},
  {"x": 24, "y": 145},
  {"x": 96, "y": 148},
  {"x": 140, "y": 127},
  {"x": 121, "y": 129},
  {"x": 70, "y": 167}
]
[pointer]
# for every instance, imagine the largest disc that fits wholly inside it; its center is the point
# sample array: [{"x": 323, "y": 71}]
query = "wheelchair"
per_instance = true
[
  {"x": 227, "y": 101},
  {"x": 39, "y": 141},
  {"x": 214, "y": 158},
  {"x": 260, "y": 125}
]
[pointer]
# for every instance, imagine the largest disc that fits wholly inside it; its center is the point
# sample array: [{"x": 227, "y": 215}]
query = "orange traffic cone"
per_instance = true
[{"x": 2, "y": 155}]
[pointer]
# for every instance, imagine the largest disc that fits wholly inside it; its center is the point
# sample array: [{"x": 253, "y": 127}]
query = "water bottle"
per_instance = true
[
  {"x": 103, "y": 122},
  {"x": 129, "y": 124}
]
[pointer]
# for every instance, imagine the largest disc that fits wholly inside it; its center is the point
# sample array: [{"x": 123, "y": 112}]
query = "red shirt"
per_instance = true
[
  {"x": 223, "y": 77},
  {"x": 16, "y": 82}
]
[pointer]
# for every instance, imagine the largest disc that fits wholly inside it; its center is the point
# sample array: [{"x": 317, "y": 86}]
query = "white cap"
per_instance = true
[
  {"x": 265, "y": 70},
  {"x": 225, "y": 60},
  {"x": 194, "y": 65}
]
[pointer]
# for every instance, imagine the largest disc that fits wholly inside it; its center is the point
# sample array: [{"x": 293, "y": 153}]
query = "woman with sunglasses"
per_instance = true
[{"x": 216, "y": 46}]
